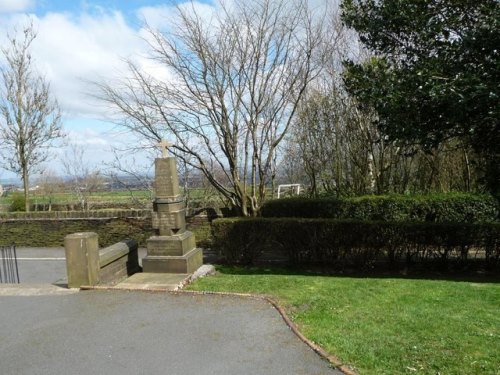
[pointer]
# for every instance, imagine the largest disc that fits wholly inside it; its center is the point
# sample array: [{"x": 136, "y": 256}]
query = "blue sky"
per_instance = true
[
  {"x": 40, "y": 7},
  {"x": 80, "y": 41}
]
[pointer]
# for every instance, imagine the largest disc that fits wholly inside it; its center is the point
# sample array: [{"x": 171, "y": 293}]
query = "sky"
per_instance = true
[{"x": 80, "y": 41}]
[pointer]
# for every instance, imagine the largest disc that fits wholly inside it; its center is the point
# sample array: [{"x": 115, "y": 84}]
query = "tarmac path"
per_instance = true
[{"x": 53, "y": 330}]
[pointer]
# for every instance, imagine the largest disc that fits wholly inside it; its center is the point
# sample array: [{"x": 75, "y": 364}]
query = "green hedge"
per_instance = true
[
  {"x": 50, "y": 232},
  {"x": 459, "y": 207},
  {"x": 360, "y": 244},
  {"x": 46, "y": 229}
]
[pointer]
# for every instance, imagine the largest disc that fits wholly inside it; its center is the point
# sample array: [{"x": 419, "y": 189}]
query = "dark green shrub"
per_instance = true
[
  {"x": 358, "y": 244},
  {"x": 51, "y": 231},
  {"x": 18, "y": 202},
  {"x": 238, "y": 239},
  {"x": 458, "y": 207}
]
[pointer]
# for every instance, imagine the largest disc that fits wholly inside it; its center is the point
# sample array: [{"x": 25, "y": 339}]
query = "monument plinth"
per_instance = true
[{"x": 173, "y": 248}]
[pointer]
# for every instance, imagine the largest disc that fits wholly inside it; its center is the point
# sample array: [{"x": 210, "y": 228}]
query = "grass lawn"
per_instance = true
[
  {"x": 121, "y": 196},
  {"x": 115, "y": 196},
  {"x": 384, "y": 325}
]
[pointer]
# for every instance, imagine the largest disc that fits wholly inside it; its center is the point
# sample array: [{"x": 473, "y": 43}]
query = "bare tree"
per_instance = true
[
  {"x": 135, "y": 178},
  {"x": 235, "y": 84},
  {"x": 329, "y": 132},
  {"x": 29, "y": 117},
  {"x": 84, "y": 179},
  {"x": 50, "y": 184},
  {"x": 343, "y": 153}
]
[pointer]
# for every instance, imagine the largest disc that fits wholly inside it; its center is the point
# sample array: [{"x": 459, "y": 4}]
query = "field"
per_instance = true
[
  {"x": 68, "y": 197},
  {"x": 133, "y": 198},
  {"x": 384, "y": 325}
]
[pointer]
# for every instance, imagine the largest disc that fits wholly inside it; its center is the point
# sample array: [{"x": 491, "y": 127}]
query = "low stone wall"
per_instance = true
[
  {"x": 92, "y": 214},
  {"x": 118, "y": 261},
  {"x": 87, "y": 265}
]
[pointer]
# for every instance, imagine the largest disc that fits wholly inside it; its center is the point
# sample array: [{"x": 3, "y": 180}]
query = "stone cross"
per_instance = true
[{"x": 164, "y": 145}]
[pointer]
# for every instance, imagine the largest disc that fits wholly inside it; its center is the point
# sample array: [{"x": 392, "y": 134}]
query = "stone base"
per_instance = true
[
  {"x": 177, "y": 245},
  {"x": 187, "y": 263}
]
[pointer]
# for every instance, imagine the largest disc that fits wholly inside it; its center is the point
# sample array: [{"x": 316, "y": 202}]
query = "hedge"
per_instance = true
[
  {"x": 359, "y": 244},
  {"x": 51, "y": 232},
  {"x": 458, "y": 207},
  {"x": 46, "y": 229}
]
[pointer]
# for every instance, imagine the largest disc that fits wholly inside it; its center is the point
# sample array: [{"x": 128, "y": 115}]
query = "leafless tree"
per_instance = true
[
  {"x": 30, "y": 119},
  {"x": 84, "y": 180},
  {"x": 343, "y": 153},
  {"x": 234, "y": 87},
  {"x": 132, "y": 176},
  {"x": 332, "y": 137},
  {"x": 50, "y": 184}
]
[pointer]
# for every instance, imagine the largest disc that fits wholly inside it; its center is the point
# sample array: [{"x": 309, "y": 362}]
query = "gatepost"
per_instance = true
[{"x": 82, "y": 259}]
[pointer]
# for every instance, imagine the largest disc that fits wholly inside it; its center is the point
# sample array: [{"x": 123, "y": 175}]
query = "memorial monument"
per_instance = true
[{"x": 173, "y": 248}]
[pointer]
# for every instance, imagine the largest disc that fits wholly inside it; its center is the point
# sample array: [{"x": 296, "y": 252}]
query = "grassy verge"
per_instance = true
[{"x": 384, "y": 325}]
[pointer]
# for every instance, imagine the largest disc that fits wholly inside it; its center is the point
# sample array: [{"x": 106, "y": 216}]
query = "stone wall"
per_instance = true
[
  {"x": 92, "y": 214},
  {"x": 89, "y": 265}
]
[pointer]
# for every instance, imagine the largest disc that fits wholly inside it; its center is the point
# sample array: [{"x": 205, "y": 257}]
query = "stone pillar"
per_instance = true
[
  {"x": 166, "y": 180},
  {"x": 82, "y": 259},
  {"x": 173, "y": 249}
]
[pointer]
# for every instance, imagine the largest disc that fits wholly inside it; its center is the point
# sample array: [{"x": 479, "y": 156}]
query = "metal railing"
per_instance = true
[{"x": 9, "y": 271}]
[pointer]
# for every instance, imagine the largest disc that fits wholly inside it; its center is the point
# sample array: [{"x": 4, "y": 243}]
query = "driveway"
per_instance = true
[{"x": 46, "y": 329}]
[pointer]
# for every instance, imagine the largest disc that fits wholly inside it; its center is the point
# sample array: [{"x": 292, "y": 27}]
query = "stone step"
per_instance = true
[{"x": 153, "y": 281}]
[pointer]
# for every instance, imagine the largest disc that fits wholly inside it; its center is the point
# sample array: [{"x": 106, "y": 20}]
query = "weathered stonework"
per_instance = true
[
  {"x": 87, "y": 265},
  {"x": 82, "y": 259},
  {"x": 171, "y": 245},
  {"x": 166, "y": 181},
  {"x": 173, "y": 249},
  {"x": 174, "y": 264}
]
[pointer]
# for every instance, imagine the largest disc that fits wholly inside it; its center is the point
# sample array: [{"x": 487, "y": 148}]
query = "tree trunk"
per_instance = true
[{"x": 26, "y": 186}]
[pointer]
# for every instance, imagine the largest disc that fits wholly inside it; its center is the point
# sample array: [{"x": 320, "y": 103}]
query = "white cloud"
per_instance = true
[
  {"x": 74, "y": 51},
  {"x": 155, "y": 16},
  {"x": 11, "y": 6},
  {"x": 71, "y": 50},
  {"x": 89, "y": 138},
  {"x": 165, "y": 17}
]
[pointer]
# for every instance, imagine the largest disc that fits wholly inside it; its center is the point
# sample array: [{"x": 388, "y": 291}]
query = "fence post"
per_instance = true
[{"x": 82, "y": 259}]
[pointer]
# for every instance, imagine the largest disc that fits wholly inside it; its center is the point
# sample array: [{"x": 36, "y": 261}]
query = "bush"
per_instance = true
[
  {"x": 359, "y": 244},
  {"x": 18, "y": 202},
  {"x": 442, "y": 208}
]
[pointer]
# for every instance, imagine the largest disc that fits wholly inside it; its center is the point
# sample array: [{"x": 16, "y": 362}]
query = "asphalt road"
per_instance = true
[
  {"x": 41, "y": 265},
  {"x": 45, "y": 329},
  {"x": 45, "y": 265},
  {"x": 119, "y": 332}
]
